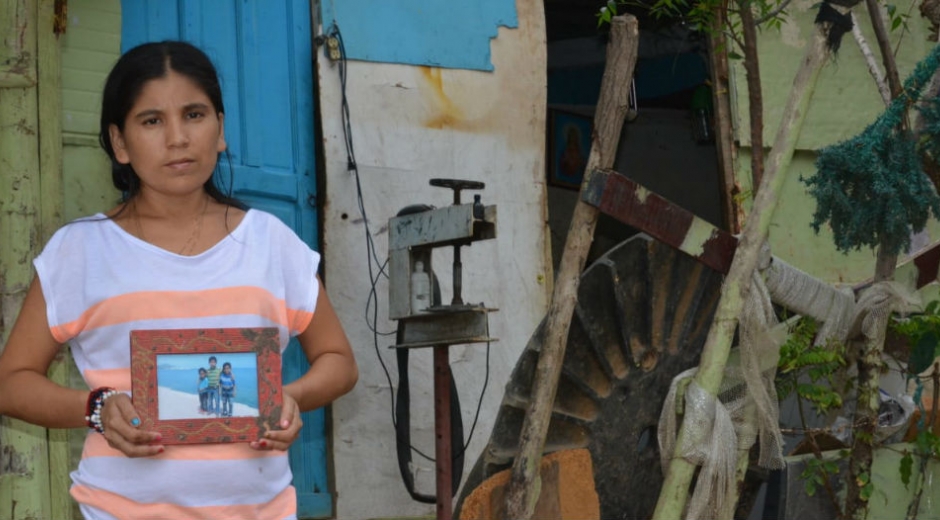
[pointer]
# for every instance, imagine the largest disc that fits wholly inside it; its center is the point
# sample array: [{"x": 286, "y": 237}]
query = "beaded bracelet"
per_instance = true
[{"x": 96, "y": 400}]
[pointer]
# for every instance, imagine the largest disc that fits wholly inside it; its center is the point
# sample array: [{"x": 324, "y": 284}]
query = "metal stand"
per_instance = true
[
  {"x": 442, "y": 447},
  {"x": 412, "y": 236}
]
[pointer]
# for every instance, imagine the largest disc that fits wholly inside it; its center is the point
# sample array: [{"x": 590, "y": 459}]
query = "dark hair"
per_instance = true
[
  {"x": 226, "y": 364},
  {"x": 201, "y": 370},
  {"x": 132, "y": 71},
  {"x": 212, "y": 358}
]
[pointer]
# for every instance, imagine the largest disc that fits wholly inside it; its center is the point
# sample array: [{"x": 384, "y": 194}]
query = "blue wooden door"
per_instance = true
[{"x": 263, "y": 52}]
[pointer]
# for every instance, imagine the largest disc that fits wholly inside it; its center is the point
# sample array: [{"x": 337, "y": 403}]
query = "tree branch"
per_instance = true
[
  {"x": 754, "y": 99},
  {"x": 870, "y": 61}
]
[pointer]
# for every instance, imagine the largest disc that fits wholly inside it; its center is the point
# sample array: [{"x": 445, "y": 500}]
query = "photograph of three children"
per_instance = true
[{"x": 201, "y": 386}]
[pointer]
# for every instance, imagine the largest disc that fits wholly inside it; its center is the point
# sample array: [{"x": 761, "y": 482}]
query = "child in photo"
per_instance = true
[
  {"x": 227, "y": 385},
  {"x": 203, "y": 388}
]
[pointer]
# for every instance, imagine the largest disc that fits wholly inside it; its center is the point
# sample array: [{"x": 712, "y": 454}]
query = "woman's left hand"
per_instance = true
[{"x": 290, "y": 424}]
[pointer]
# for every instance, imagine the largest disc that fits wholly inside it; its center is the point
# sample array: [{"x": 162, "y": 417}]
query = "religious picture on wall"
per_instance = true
[{"x": 569, "y": 144}]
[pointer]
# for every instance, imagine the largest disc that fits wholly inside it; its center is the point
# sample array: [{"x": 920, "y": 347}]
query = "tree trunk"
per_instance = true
[{"x": 869, "y": 363}]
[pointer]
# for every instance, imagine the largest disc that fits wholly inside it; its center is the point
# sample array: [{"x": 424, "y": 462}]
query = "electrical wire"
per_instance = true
[{"x": 372, "y": 257}]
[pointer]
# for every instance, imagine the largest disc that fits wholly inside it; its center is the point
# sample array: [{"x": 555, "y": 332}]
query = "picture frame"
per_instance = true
[
  {"x": 167, "y": 386},
  {"x": 569, "y": 144}
]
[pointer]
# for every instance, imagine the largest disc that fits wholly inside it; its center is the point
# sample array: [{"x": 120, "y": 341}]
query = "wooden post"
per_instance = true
[
  {"x": 675, "y": 490},
  {"x": 24, "y": 469},
  {"x": 51, "y": 209},
  {"x": 608, "y": 121}
]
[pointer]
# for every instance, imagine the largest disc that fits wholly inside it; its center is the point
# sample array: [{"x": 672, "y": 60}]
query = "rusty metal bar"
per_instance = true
[
  {"x": 442, "y": 447},
  {"x": 625, "y": 200}
]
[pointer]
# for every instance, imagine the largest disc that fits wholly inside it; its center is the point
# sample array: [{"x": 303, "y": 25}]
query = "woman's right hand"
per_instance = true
[{"x": 120, "y": 421}]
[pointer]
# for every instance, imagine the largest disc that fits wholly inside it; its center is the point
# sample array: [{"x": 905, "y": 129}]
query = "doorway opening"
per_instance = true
[{"x": 668, "y": 141}]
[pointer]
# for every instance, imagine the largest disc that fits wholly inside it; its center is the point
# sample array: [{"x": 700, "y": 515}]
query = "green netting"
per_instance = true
[{"x": 872, "y": 188}]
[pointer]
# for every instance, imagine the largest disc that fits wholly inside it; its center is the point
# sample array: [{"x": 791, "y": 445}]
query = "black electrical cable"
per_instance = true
[{"x": 374, "y": 277}]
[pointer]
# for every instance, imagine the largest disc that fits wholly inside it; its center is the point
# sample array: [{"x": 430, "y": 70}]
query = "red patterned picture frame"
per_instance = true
[{"x": 160, "y": 354}]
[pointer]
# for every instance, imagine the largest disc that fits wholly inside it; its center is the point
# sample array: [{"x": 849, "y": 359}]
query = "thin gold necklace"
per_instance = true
[{"x": 190, "y": 244}]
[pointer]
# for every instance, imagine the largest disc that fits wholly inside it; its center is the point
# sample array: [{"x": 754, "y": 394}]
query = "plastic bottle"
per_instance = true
[{"x": 420, "y": 289}]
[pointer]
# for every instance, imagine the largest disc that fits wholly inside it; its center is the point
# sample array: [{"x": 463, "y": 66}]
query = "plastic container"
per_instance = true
[{"x": 420, "y": 289}]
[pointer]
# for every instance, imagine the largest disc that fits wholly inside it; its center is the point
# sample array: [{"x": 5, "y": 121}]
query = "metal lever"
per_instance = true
[{"x": 457, "y": 185}]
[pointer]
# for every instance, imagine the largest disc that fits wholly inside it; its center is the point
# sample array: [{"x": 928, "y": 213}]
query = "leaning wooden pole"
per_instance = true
[
  {"x": 675, "y": 490},
  {"x": 608, "y": 121}
]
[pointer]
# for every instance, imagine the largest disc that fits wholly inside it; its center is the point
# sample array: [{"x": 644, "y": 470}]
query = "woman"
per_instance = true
[{"x": 176, "y": 254}]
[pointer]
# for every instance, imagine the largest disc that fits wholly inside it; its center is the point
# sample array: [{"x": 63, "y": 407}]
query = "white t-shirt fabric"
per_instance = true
[{"x": 100, "y": 282}]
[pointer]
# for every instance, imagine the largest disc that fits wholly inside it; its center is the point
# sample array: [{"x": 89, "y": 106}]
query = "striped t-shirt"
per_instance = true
[{"x": 101, "y": 282}]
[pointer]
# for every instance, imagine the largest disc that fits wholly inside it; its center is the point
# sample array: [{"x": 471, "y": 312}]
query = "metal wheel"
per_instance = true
[{"x": 642, "y": 317}]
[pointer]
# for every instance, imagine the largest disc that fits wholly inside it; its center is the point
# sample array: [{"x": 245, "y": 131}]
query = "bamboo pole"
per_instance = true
[
  {"x": 24, "y": 474},
  {"x": 675, "y": 490},
  {"x": 609, "y": 115}
]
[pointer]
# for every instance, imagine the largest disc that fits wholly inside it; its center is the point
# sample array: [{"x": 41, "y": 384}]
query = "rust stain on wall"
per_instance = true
[{"x": 447, "y": 113}]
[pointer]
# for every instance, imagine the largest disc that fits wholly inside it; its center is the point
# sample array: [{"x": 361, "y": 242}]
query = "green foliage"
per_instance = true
[
  {"x": 927, "y": 443},
  {"x": 872, "y": 189},
  {"x": 922, "y": 331},
  {"x": 907, "y": 465},
  {"x": 699, "y": 15},
  {"x": 897, "y": 19},
  {"x": 864, "y": 481},
  {"x": 817, "y": 472},
  {"x": 798, "y": 357},
  {"x": 606, "y": 13}
]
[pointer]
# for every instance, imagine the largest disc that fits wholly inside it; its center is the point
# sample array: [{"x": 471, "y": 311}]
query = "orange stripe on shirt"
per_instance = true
[
  {"x": 97, "y": 446},
  {"x": 155, "y": 305},
  {"x": 282, "y": 506}
]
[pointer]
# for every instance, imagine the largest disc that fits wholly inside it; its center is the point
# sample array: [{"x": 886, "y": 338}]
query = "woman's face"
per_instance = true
[{"x": 172, "y": 136}]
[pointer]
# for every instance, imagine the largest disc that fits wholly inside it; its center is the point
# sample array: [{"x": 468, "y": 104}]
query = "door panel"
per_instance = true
[{"x": 263, "y": 54}]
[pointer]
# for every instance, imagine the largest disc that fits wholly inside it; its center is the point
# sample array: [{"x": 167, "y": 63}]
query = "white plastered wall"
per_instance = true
[{"x": 411, "y": 124}]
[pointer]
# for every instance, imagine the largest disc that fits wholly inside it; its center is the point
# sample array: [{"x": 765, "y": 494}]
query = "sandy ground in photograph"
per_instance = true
[{"x": 180, "y": 405}]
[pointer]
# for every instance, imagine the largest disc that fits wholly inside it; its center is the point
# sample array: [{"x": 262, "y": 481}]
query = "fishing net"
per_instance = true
[{"x": 872, "y": 188}]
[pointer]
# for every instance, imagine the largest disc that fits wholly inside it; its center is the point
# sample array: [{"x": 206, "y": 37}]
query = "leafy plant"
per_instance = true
[
  {"x": 817, "y": 473},
  {"x": 810, "y": 370}
]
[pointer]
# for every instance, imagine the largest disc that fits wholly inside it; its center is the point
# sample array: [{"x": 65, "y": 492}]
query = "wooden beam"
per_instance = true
[
  {"x": 622, "y": 198},
  {"x": 625, "y": 200},
  {"x": 51, "y": 209}
]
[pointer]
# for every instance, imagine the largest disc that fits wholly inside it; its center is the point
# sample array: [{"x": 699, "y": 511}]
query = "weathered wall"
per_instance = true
[
  {"x": 411, "y": 124},
  {"x": 33, "y": 462},
  {"x": 90, "y": 46},
  {"x": 845, "y": 102}
]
